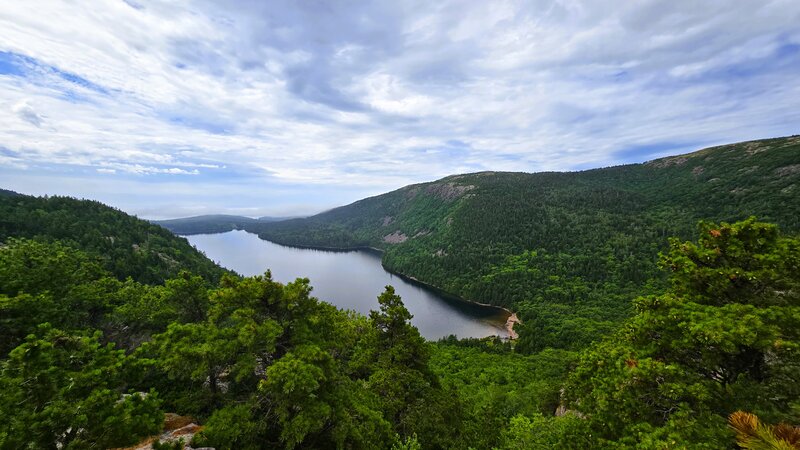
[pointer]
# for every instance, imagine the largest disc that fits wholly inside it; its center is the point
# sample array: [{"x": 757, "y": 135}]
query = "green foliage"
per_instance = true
[
  {"x": 174, "y": 445},
  {"x": 410, "y": 443},
  {"x": 540, "y": 432},
  {"x": 52, "y": 282},
  {"x": 123, "y": 244},
  {"x": 215, "y": 356},
  {"x": 496, "y": 387},
  {"x": 36, "y": 267},
  {"x": 48, "y": 282},
  {"x": 59, "y": 389},
  {"x": 726, "y": 337},
  {"x": 233, "y": 426}
]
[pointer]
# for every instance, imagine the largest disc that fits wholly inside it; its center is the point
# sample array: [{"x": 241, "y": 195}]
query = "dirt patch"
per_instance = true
[
  {"x": 698, "y": 170},
  {"x": 387, "y": 220},
  {"x": 440, "y": 253},
  {"x": 174, "y": 421}
]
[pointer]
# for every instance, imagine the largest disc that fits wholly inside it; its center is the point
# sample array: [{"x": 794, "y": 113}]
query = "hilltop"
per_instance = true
[{"x": 126, "y": 245}]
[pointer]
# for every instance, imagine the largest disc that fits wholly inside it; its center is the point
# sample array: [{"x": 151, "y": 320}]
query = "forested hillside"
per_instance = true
[
  {"x": 215, "y": 223},
  {"x": 94, "y": 358},
  {"x": 98, "y": 341},
  {"x": 566, "y": 250},
  {"x": 125, "y": 245}
]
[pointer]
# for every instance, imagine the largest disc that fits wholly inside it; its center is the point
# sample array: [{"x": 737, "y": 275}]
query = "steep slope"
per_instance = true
[
  {"x": 128, "y": 246},
  {"x": 567, "y": 250}
]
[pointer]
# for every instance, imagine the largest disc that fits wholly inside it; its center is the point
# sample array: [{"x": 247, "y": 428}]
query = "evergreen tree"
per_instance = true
[{"x": 726, "y": 337}]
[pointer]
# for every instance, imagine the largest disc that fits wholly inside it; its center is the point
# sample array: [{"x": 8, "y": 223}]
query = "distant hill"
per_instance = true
[
  {"x": 567, "y": 250},
  {"x": 211, "y": 223},
  {"x": 127, "y": 246},
  {"x": 5, "y": 192},
  {"x": 277, "y": 218}
]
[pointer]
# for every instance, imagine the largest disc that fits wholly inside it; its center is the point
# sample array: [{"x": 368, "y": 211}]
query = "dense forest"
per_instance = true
[
  {"x": 567, "y": 251},
  {"x": 642, "y": 331},
  {"x": 126, "y": 246},
  {"x": 95, "y": 357}
]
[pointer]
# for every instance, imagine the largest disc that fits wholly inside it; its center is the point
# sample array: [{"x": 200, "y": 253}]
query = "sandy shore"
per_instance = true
[{"x": 512, "y": 319}]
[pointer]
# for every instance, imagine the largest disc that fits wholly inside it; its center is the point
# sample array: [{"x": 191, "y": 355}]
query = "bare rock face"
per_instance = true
[
  {"x": 751, "y": 148},
  {"x": 395, "y": 238},
  {"x": 387, "y": 220},
  {"x": 787, "y": 170},
  {"x": 666, "y": 162},
  {"x": 448, "y": 191}
]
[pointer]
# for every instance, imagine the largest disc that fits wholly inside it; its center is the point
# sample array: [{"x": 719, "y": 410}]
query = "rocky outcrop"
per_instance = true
[
  {"x": 510, "y": 322},
  {"x": 395, "y": 238},
  {"x": 787, "y": 170},
  {"x": 671, "y": 161},
  {"x": 448, "y": 191},
  {"x": 176, "y": 428}
]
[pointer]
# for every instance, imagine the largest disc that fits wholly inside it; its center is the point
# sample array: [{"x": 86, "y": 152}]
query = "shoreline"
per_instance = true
[
  {"x": 511, "y": 318},
  {"x": 326, "y": 249}
]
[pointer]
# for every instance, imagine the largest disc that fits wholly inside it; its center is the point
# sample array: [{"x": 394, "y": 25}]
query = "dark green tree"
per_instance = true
[
  {"x": 60, "y": 390},
  {"x": 726, "y": 337}
]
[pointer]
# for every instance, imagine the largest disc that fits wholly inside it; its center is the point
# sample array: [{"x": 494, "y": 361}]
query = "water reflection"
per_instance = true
[{"x": 350, "y": 280}]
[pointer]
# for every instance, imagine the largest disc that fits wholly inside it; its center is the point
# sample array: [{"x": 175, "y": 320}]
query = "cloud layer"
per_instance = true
[{"x": 294, "y": 106}]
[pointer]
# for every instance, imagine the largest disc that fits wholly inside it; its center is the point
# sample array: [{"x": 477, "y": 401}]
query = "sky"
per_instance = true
[{"x": 170, "y": 109}]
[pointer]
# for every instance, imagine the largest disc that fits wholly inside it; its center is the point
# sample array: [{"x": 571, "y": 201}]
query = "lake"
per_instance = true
[{"x": 351, "y": 280}]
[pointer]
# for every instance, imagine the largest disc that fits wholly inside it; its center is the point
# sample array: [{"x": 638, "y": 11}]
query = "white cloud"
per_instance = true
[
  {"x": 26, "y": 112},
  {"x": 373, "y": 96}
]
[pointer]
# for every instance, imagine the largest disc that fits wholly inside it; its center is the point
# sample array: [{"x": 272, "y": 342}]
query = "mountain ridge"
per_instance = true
[
  {"x": 211, "y": 223},
  {"x": 559, "y": 246}
]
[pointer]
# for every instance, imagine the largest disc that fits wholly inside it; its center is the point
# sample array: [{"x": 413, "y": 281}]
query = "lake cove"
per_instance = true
[{"x": 351, "y": 280}]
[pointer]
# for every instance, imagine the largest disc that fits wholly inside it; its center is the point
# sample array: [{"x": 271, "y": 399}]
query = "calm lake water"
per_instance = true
[{"x": 350, "y": 280}]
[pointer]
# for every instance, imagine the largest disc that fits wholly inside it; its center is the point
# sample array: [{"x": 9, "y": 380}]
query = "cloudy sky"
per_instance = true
[{"x": 168, "y": 109}]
